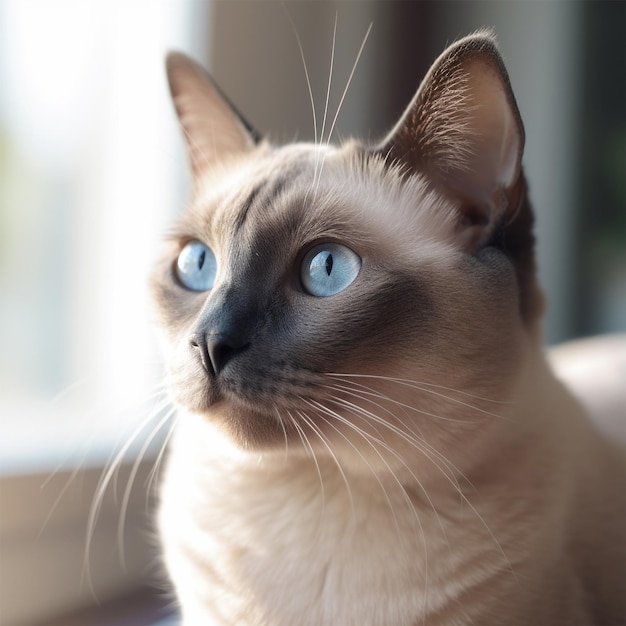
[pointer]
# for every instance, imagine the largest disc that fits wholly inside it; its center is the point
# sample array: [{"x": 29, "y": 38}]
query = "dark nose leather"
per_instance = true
[
  {"x": 224, "y": 329},
  {"x": 217, "y": 349},
  {"x": 222, "y": 348}
]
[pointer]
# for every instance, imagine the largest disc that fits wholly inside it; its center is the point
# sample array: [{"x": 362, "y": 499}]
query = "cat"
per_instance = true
[{"x": 368, "y": 432}]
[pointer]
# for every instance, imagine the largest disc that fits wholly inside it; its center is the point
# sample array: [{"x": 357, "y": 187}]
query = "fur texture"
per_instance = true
[{"x": 399, "y": 452}]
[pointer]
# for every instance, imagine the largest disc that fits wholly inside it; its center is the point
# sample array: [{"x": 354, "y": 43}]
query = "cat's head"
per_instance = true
[{"x": 324, "y": 295}]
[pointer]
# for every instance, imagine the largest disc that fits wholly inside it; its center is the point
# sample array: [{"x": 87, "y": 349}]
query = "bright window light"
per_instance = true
[{"x": 91, "y": 170}]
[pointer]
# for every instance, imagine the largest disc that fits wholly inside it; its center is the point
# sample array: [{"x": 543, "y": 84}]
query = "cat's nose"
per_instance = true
[
  {"x": 217, "y": 349},
  {"x": 222, "y": 348}
]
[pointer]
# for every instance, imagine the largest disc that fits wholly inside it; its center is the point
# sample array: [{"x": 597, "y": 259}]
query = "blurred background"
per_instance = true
[{"x": 92, "y": 170}]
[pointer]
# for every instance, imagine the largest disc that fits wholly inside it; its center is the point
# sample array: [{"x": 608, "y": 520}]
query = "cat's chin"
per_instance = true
[{"x": 247, "y": 426}]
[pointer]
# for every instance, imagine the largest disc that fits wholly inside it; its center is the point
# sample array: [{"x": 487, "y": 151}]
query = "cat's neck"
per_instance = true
[
  {"x": 241, "y": 506},
  {"x": 520, "y": 427}
]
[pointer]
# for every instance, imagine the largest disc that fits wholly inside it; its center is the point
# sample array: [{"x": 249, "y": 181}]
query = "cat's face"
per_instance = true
[{"x": 326, "y": 297}]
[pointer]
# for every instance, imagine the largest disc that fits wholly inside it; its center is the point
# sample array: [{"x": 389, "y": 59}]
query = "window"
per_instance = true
[{"x": 91, "y": 170}]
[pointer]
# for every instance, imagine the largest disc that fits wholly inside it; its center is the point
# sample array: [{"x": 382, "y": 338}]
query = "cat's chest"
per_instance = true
[{"x": 269, "y": 545}]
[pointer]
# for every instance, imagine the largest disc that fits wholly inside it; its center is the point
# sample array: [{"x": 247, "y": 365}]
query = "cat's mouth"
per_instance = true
[
  {"x": 251, "y": 424},
  {"x": 249, "y": 386},
  {"x": 256, "y": 407}
]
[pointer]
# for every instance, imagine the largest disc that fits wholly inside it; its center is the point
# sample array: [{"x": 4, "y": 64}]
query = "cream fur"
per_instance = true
[
  {"x": 516, "y": 549},
  {"x": 399, "y": 453}
]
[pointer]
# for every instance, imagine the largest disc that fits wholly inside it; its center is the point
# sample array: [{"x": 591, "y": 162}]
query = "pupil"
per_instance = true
[
  {"x": 201, "y": 259},
  {"x": 329, "y": 264}
]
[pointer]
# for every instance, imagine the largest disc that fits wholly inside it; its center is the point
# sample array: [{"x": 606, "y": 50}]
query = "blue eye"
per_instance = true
[
  {"x": 329, "y": 268},
  {"x": 196, "y": 266}
]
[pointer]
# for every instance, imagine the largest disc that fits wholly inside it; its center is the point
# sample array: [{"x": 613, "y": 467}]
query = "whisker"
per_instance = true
[
  {"x": 418, "y": 441},
  {"x": 100, "y": 491},
  {"x": 59, "y": 497},
  {"x": 306, "y": 71},
  {"x": 307, "y": 444},
  {"x": 131, "y": 480},
  {"x": 154, "y": 392},
  {"x": 409, "y": 407},
  {"x": 330, "y": 79},
  {"x": 77, "y": 464},
  {"x": 409, "y": 436},
  {"x": 326, "y": 444},
  {"x": 454, "y": 483},
  {"x": 357, "y": 412},
  {"x": 153, "y": 412},
  {"x": 370, "y": 441},
  {"x": 345, "y": 91},
  {"x": 282, "y": 425},
  {"x": 363, "y": 434},
  {"x": 420, "y": 385},
  {"x": 419, "y": 444},
  {"x": 153, "y": 477},
  {"x": 343, "y": 95}
]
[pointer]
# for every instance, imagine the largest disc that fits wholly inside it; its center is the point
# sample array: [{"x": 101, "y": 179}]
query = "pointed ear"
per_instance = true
[
  {"x": 464, "y": 132},
  {"x": 213, "y": 128}
]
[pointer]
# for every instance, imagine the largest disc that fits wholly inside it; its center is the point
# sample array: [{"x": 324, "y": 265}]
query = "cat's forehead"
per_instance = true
[
  {"x": 296, "y": 194},
  {"x": 231, "y": 186}
]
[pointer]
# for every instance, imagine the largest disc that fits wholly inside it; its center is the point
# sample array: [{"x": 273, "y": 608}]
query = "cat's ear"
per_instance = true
[
  {"x": 213, "y": 128},
  {"x": 464, "y": 132}
]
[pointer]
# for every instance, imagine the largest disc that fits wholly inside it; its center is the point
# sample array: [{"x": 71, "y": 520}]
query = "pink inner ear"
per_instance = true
[
  {"x": 493, "y": 128},
  {"x": 491, "y": 136},
  {"x": 464, "y": 133},
  {"x": 213, "y": 131}
]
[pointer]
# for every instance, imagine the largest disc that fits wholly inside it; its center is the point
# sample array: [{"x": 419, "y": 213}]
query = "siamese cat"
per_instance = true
[{"x": 368, "y": 432}]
